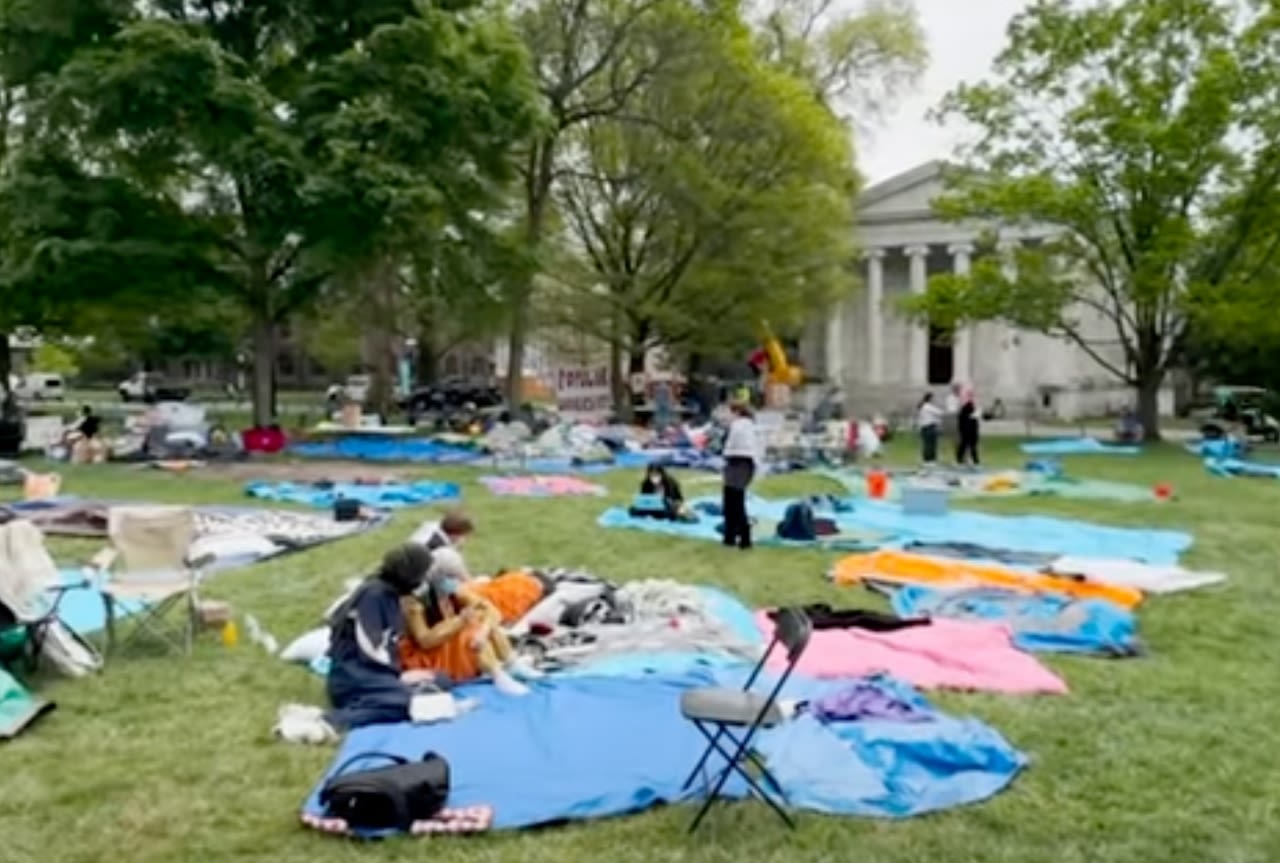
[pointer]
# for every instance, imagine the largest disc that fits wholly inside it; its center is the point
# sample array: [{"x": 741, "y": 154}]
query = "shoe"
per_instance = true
[
  {"x": 508, "y": 685},
  {"x": 521, "y": 667}
]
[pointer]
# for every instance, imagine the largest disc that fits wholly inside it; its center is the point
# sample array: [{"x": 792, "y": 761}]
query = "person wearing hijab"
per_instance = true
[{"x": 366, "y": 684}]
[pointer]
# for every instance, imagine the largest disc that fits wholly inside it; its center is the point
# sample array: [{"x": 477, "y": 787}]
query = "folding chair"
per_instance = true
[
  {"x": 147, "y": 566},
  {"x": 714, "y": 711},
  {"x": 30, "y": 594}
]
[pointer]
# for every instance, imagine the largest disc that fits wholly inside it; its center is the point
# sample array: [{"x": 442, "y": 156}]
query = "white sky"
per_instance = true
[{"x": 964, "y": 37}]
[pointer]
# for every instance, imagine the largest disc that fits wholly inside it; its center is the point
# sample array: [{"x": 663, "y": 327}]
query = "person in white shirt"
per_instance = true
[
  {"x": 928, "y": 421},
  {"x": 741, "y": 456}
]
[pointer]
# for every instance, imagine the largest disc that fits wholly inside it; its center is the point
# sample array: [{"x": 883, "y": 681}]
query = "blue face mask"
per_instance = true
[{"x": 447, "y": 586}]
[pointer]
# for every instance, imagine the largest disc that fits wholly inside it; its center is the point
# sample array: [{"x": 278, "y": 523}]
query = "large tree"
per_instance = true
[
  {"x": 242, "y": 145},
  {"x": 723, "y": 198},
  {"x": 1143, "y": 138},
  {"x": 576, "y": 45}
]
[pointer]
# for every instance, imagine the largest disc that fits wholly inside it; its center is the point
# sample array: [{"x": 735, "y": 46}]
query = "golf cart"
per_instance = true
[{"x": 1244, "y": 410}]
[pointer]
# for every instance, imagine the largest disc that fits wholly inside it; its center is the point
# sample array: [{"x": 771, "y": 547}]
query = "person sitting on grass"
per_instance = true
[
  {"x": 366, "y": 683},
  {"x": 660, "y": 496}
]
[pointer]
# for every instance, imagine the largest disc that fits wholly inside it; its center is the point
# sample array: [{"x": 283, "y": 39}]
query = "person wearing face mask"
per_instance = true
[{"x": 454, "y": 624}]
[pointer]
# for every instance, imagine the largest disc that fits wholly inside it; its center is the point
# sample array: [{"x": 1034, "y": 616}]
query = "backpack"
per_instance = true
[{"x": 798, "y": 524}]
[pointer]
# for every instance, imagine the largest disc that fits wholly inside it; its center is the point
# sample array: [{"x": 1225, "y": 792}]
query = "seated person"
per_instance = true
[
  {"x": 366, "y": 684},
  {"x": 83, "y": 438},
  {"x": 509, "y": 596},
  {"x": 660, "y": 496},
  {"x": 458, "y": 633},
  {"x": 1129, "y": 427}
]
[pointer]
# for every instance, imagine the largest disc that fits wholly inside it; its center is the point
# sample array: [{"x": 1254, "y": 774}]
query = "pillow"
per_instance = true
[{"x": 308, "y": 647}]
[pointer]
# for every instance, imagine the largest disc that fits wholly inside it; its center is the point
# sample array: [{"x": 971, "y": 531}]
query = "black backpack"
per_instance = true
[
  {"x": 390, "y": 797},
  {"x": 798, "y": 523}
]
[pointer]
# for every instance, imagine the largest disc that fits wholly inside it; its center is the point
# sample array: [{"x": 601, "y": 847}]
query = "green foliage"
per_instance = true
[
  {"x": 720, "y": 199},
  {"x": 1140, "y": 139},
  {"x": 254, "y": 150},
  {"x": 859, "y": 58},
  {"x": 50, "y": 357}
]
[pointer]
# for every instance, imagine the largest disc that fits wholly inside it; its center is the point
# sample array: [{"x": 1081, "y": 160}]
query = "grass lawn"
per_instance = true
[{"x": 1174, "y": 758}]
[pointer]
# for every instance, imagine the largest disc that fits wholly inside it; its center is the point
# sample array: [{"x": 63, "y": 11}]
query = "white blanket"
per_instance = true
[{"x": 1131, "y": 573}]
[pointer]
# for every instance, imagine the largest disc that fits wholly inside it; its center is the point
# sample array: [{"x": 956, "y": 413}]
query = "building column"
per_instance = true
[
  {"x": 918, "y": 349},
  {"x": 834, "y": 344},
  {"x": 875, "y": 316},
  {"x": 961, "y": 259}
]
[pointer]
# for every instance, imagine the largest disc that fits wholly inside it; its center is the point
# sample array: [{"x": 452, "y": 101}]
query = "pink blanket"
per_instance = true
[
  {"x": 541, "y": 486},
  {"x": 946, "y": 654}
]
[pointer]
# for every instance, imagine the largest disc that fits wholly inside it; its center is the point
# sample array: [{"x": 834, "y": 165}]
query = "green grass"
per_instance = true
[{"x": 1174, "y": 758}]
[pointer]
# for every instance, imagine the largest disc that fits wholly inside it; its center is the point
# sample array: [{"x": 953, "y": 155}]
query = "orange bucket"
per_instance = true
[{"x": 877, "y": 484}]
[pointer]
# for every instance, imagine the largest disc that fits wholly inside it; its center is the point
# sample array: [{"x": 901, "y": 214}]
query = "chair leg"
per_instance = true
[
  {"x": 697, "y": 768},
  {"x": 109, "y": 605}
]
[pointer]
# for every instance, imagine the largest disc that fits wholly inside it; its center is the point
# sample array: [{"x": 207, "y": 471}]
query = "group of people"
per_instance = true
[
  {"x": 961, "y": 410},
  {"x": 420, "y": 624}
]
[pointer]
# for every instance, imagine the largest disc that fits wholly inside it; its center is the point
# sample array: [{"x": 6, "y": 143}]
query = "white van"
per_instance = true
[{"x": 38, "y": 387}]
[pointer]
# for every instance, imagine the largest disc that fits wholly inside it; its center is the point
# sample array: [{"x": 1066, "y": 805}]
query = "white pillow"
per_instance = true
[{"x": 308, "y": 646}]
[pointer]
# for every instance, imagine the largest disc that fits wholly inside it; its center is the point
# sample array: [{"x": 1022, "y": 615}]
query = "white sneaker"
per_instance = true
[
  {"x": 522, "y": 668},
  {"x": 302, "y": 723},
  {"x": 508, "y": 685}
]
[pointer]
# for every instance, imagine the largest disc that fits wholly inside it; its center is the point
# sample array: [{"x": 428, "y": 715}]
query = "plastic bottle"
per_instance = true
[{"x": 230, "y": 634}]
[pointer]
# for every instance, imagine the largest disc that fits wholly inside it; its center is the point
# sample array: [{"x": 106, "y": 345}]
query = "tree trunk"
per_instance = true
[
  {"x": 382, "y": 289},
  {"x": 537, "y": 195},
  {"x": 6, "y": 362},
  {"x": 1149, "y": 403},
  {"x": 264, "y": 366}
]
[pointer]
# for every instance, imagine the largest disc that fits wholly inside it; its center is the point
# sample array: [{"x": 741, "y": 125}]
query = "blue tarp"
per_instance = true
[
  {"x": 1239, "y": 467},
  {"x": 885, "y": 524},
  {"x": 1045, "y": 622},
  {"x": 579, "y": 748},
  {"x": 370, "y": 448},
  {"x": 1077, "y": 446},
  {"x": 387, "y": 495},
  {"x": 82, "y": 608},
  {"x": 1217, "y": 448}
]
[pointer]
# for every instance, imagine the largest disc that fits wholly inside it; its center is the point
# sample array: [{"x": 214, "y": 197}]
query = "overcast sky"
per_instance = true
[{"x": 964, "y": 37}]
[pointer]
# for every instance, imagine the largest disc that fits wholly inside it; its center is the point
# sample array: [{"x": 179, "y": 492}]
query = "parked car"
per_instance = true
[
  {"x": 1250, "y": 409},
  {"x": 450, "y": 396},
  {"x": 151, "y": 387},
  {"x": 38, "y": 387}
]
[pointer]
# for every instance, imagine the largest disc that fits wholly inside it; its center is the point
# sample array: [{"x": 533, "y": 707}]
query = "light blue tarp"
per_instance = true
[
  {"x": 370, "y": 448},
  {"x": 1077, "y": 446},
  {"x": 579, "y": 748},
  {"x": 387, "y": 495},
  {"x": 82, "y": 608},
  {"x": 868, "y": 519},
  {"x": 1046, "y": 623},
  {"x": 1239, "y": 467},
  {"x": 1217, "y": 448}
]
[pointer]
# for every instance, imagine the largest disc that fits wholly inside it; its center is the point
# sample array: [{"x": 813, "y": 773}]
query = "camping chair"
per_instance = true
[
  {"x": 30, "y": 593},
  {"x": 147, "y": 564},
  {"x": 714, "y": 711}
]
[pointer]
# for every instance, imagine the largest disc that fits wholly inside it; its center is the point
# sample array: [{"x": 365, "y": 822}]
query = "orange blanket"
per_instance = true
[{"x": 903, "y": 568}]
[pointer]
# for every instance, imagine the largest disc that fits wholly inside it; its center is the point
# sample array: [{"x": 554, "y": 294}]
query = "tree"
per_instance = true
[
  {"x": 723, "y": 198},
  {"x": 858, "y": 58},
  {"x": 574, "y": 44},
  {"x": 1143, "y": 135},
  {"x": 242, "y": 145}
]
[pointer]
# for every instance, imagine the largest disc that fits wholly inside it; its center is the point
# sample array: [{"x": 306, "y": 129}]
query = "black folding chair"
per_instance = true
[{"x": 714, "y": 711}]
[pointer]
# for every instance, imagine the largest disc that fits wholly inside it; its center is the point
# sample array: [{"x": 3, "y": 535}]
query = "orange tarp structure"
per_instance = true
[{"x": 903, "y": 568}]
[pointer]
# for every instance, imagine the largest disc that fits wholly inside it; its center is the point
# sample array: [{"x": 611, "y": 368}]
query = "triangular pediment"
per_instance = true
[{"x": 908, "y": 194}]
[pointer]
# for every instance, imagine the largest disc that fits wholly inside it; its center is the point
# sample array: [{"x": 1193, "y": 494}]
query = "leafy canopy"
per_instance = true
[{"x": 1139, "y": 139}]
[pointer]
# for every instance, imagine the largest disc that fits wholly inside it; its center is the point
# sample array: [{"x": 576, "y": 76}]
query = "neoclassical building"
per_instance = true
[{"x": 882, "y": 361}]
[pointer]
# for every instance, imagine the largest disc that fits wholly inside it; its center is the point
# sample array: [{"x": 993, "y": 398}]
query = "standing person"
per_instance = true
[
  {"x": 967, "y": 431},
  {"x": 928, "y": 421},
  {"x": 741, "y": 454}
]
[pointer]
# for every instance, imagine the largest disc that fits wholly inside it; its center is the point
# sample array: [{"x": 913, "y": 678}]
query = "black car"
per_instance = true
[{"x": 445, "y": 398}]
